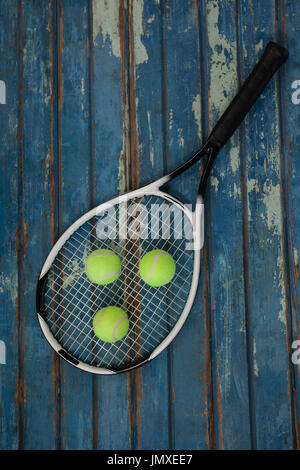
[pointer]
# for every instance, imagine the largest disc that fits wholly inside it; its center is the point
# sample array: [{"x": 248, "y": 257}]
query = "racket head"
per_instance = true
[{"x": 67, "y": 300}]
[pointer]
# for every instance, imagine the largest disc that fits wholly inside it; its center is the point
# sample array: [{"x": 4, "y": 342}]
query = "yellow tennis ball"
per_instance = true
[
  {"x": 157, "y": 268},
  {"x": 110, "y": 324},
  {"x": 103, "y": 266}
]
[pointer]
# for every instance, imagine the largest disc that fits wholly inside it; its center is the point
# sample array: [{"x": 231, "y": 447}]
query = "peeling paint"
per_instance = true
[
  {"x": 252, "y": 185},
  {"x": 271, "y": 200},
  {"x": 196, "y": 108},
  {"x": 279, "y": 285},
  {"x": 296, "y": 256},
  {"x": 9, "y": 284},
  {"x": 140, "y": 53},
  {"x": 270, "y": 196},
  {"x": 2, "y": 92},
  {"x": 236, "y": 190},
  {"x": 47, "y": 172},
  {"x": 106, "y": 23},
  {"x": 180, "y": 137},
  {"x": 150, "y": 140},
  {"x": 2, "y": 352},
  {"x": 234, "y": 154},
  {"x": 151, "y": 19},
  {"x": 214, "y": 183},
  {"x": 76, "y": 270},
  {"x": 259, "y": 47},
  {"x": 171, "y": 118},
  {"x": 123, "y": 168},
  {"x": 223, "y": 66},
  {"x": 133, "y": 105},
  {"x": 223, "y": 72},
  {"x": 45, "y": 87},
  {"x": 255, "y": 365},
  {"x": 122, "y": 177},
  {"x": 243, "y": 327},
  {"x": 281, "y": 315}
]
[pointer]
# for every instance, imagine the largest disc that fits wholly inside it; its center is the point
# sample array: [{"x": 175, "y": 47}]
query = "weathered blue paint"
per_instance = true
[
  {"x": 272, "y": 421},
  {"x": 103, "y": 96},
  {"x": 290, "y": 144},
  {"x": 75, "y": 193},
  {"x": 35, "y": 231},
  {"x": 225, "y": 242},
  {"x": 152, "y": 402},
  {"x": 110, "y": 127},
  {"x": 8, "y": 228},
  {"x": 183, "y": 136}
]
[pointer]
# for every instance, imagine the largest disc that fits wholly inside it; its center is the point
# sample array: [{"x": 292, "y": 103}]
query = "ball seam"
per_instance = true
[
  {"x": 113, "y": 273},
  {"x": 100, "y": 316},
  {"x": 159, "y": 255},
  {"x": 117, "y": 326}
]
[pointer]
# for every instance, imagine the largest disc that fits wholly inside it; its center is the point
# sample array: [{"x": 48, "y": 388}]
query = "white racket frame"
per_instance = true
[{"x": 196, "y": 218}]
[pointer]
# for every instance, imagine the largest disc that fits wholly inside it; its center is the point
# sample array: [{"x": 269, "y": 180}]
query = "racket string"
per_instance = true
[
  {"x": 152, "y": 330},
  {"x": 126, "y": 295},
  {"x": 88, "y": 324},
  {"x": 89, "y": 233},
  {"x": 62, "y": 277},
  {"x": 130, "y": 296},
  {"x": 71, "y": 300},
  {"x": 103, "y": 292},
  {"x": 92, "y": 340}
]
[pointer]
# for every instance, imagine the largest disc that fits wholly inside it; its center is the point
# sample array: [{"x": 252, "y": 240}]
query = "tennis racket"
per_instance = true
[{"x": 132, "y": 225}]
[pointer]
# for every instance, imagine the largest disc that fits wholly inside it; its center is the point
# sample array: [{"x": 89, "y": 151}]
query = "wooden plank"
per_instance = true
[
  {"x": 190, "y": 393},
  {"x": 225, "y": 241},
  {"x": 270, "y": 378},
  {"x": 150, "y": 384},
  {"x": 75, "y": 190},
  {"x": 36, "y": 232},
  {"x": 289, "y": 28},
  {"x": 9, "y": 315},
  {"x": 113, "y": 402}
]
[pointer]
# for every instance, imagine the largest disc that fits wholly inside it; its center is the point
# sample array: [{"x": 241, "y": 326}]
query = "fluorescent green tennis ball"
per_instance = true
[
  {"x": 110, "y": 324},
  {"x": 102, "y": 266},
  {"x": 157, "y": 268}
]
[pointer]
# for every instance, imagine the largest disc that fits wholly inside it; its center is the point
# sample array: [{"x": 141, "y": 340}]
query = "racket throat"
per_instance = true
[{"x": 211, "y": 156}]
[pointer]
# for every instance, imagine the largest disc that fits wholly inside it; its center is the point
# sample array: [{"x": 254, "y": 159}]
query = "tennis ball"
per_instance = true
[
  {"x": 157, "y": 268},
  {"x": 102, "y": 266},
  {"x": 110, "y": 324}
]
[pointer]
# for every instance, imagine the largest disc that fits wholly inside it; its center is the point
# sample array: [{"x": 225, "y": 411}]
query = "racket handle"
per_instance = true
[{"x": 273, "y": 57}]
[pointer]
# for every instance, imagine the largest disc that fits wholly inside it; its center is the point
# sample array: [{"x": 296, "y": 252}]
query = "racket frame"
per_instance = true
[{"x": 196, "y": 218}]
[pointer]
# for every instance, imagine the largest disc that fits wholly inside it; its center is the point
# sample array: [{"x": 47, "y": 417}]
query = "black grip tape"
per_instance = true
[{"x": 273, "y": 57}]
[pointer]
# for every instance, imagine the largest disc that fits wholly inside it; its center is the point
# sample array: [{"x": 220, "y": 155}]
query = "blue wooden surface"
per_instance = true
[{"x": 104, "y": 96}]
